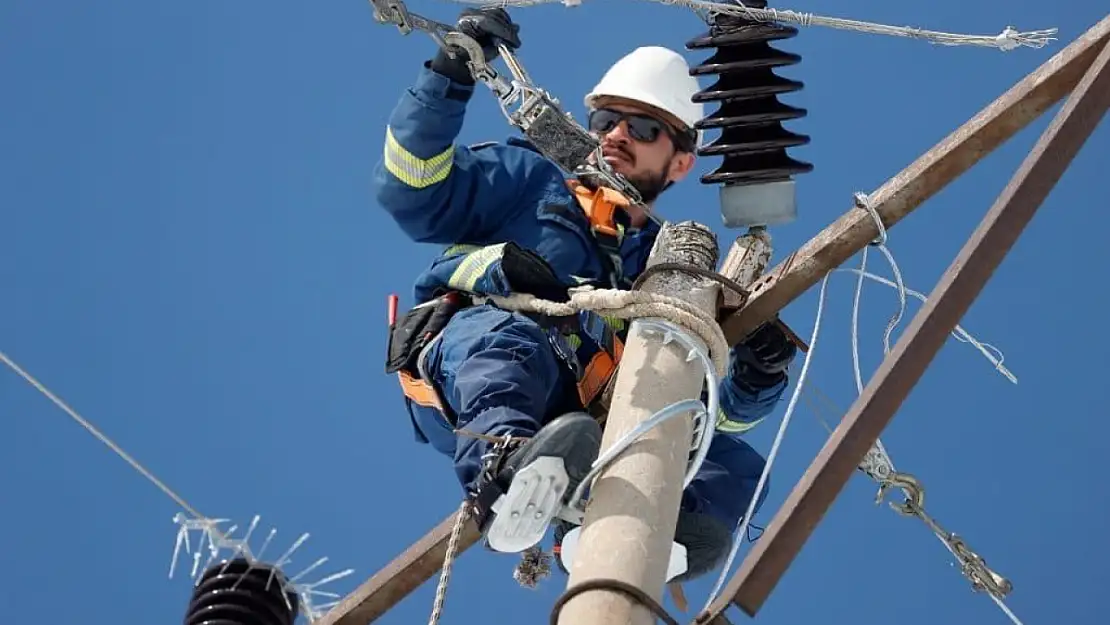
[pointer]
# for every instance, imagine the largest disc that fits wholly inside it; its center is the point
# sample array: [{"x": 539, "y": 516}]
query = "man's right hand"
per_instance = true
[{"x": 488, "y": 26}]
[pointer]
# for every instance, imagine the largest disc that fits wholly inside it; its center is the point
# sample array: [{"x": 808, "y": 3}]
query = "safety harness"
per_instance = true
[
  {"x": 601, "y": 207},
  {"x": 424, "y": 324}
]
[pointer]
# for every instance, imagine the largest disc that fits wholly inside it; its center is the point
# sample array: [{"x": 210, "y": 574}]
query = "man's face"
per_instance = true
[{"x": 640, "y": 146}]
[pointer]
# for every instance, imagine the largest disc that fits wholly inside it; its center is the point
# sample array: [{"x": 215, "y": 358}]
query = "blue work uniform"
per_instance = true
[{"x": 501, "y": 372}]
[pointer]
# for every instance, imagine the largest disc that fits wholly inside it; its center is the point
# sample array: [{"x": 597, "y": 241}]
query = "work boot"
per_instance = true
[
  {"x": 575, "y": 437},
  {"x": 707, "y": 543},
  {"x": 527, "y": 508},
  {"x": 706, "y": 539}
]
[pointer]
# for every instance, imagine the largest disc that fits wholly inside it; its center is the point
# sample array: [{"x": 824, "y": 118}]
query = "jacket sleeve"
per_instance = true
[
  {"x": 440, "y": 192},
  {"x": 743, "y": 406}
]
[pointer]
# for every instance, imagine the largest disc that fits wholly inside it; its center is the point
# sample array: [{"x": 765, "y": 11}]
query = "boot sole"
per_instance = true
[{"x": 555, "y": 462}]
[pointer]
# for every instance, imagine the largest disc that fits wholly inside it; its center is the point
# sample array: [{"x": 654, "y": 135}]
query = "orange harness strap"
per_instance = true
[
  {"x": 597, "y": 372},
  {"x": 599, "y": 206},
  {"x": 595, "y": 375},
  {"x": 419, "y": 391}
]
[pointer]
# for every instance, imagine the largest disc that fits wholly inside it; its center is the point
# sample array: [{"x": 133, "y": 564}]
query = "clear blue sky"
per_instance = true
[{"x": 192, "y": 258}]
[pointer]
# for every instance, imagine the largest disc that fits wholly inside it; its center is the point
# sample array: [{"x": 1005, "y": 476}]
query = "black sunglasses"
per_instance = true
[{"x": 641, "y": 127}]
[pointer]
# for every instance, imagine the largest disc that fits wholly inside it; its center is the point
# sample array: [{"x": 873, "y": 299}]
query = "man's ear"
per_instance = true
[{"x": 681, "y": 165}]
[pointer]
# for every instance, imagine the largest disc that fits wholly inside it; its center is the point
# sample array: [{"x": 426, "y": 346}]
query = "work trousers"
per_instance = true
[{"x": 500, "y": 375}]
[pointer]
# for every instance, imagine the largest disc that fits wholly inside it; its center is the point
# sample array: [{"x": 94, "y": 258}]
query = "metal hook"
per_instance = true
[
  {"x": 911, "y": 487},
  {"x": 479, "y": 67},
  {"x": 395, "y": 12}
]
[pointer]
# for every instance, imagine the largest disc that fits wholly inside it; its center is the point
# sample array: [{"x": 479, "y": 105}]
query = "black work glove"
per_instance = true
[
  {"x": 760, "y": 361},
  {"x": 488, "y": 26},
  {"x": 527, "y": 272}
]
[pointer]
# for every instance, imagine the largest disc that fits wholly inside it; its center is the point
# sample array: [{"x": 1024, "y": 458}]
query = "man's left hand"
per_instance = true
[{"x": 488, "y": 26}]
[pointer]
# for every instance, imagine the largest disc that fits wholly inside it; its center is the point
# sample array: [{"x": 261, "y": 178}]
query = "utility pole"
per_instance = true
[{"x": 630, "y": 522}]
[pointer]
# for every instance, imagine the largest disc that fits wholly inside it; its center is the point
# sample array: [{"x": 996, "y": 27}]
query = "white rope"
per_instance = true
[
  {"x": 630, "y": 305},
  {"x": 742, "y": 527},
  {"x": 448, "y": 562},
  {"x": 990, "y": 352},
  {"x": 1007, "y": 40},
  {"x": 1005, "y": 609},
  {"x": 878, "y": 464}
]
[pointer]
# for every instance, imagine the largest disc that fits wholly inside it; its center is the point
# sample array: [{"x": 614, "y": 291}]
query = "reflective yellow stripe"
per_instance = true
[
  {"x": 574, "y": 340},
  {"x": 616, "y": 323},
  {"x": 473, "y": 266},
  {"x": 416, "y": 172},
  {"x": 460, "y": 248},
  {"x": 726, "y": 425}
]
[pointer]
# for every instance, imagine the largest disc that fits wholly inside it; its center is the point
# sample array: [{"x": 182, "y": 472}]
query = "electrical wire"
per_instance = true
[{"x": 92, "y": 429}]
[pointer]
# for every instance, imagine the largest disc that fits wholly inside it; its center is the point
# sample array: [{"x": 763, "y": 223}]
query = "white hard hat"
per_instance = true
[{"x": 655, "y": 76}]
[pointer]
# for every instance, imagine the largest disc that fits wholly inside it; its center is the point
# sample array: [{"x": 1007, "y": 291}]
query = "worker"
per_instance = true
[{"x": 511, "y": 222}]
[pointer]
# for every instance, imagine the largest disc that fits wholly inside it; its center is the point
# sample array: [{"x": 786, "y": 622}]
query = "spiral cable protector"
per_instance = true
[
  {"x": 753, "y": 141},
  {"x": 240, "y": 593}
]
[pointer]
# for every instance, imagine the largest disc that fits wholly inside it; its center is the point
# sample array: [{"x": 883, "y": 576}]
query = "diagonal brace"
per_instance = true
[
  {"x": 404, "y": 574},
  {"x": 896, "y": 376}
]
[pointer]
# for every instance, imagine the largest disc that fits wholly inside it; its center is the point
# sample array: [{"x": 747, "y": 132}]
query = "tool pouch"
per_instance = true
[{"x": 416, "y": 328}]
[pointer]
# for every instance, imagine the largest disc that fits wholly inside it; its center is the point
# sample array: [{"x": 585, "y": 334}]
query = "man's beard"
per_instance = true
[{"x": 648, "y": 184}]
